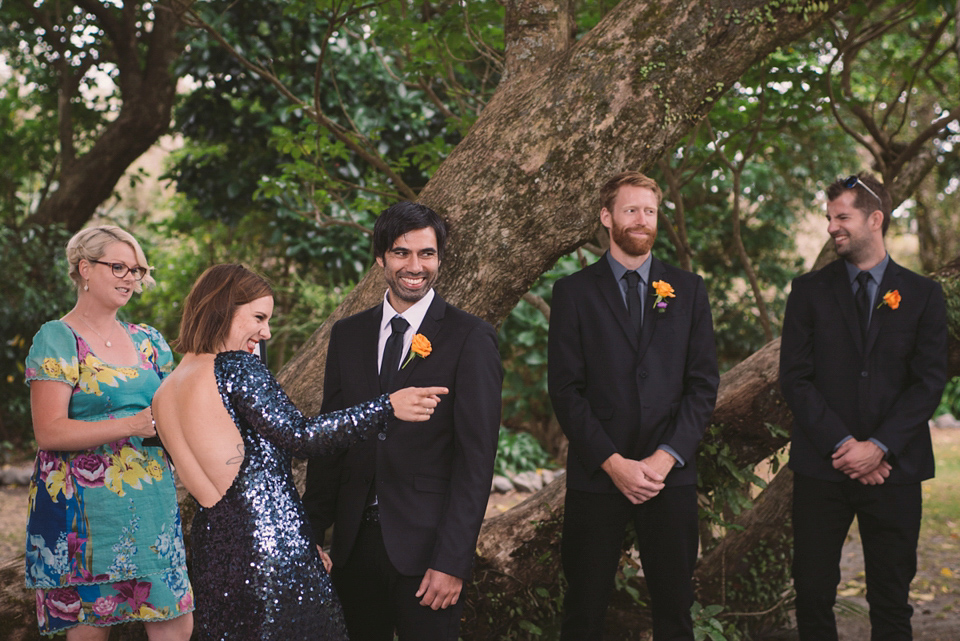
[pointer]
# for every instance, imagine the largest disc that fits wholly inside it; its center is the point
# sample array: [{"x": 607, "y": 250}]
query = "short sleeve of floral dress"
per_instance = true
[{"x": 104, "y": 542}]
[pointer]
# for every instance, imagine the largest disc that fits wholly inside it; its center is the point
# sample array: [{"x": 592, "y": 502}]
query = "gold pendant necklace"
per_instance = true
[{"x": 106, "y": 341}]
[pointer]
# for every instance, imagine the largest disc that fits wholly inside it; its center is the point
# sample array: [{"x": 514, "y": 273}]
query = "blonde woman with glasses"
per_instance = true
[{"x": 104, "y": 542}]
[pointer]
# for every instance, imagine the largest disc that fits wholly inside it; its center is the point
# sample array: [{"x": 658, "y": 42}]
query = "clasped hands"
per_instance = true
[
  {"x": 862, "y": 461},
  {"x": 641, "y": 480}
]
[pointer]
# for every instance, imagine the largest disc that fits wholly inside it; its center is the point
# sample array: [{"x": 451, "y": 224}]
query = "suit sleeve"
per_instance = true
[
  {"x": 927, "y": 378},
  {"x": 323, "y": 472},
  {"x": 811, "y": 414},
  {"x": 566, "y": 380},
  {"x": 476, "y": 425},
  {"x": 701, "y": 378}
]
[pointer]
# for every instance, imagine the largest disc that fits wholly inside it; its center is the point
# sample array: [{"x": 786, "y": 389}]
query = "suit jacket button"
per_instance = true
[
  {"x": 643, "y": 374},
  {"x": 863, "y": 373},
  {"x": 382, "y": 436}
]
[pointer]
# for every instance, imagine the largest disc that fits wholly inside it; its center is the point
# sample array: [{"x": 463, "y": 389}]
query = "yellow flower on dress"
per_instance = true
[
  {"x": 96, "y": 372},
  {"x": 126, "y": 467},
  {"x": 71, "y": 370},
  {"x": 59, "y": 481},
  {"x": 51, "y": 367},
  {"x": 155, "y": 470},
  {"x": 419, "y": 347},
  {"x": 147, "y": 612}
]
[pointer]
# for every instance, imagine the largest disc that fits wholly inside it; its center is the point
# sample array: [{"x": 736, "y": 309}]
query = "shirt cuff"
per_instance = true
[
  {"x": 837, "y": 446},
  {"x": 886, "y": 450},
  {"x": 672, "y": 452}
]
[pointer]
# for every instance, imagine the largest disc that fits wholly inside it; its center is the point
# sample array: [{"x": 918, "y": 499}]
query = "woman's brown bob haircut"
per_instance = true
[{"x": 209, "y": 309}]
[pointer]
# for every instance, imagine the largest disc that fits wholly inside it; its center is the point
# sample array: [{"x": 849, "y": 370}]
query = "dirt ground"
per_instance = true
[{"x": 935, "y": 593}]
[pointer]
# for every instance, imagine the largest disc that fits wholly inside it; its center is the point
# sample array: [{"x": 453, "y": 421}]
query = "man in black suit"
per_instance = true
[
  {"x": 633, "y": 380},
  {"x": 407, "y": 507},
  {"x": 863, "y": 362}
]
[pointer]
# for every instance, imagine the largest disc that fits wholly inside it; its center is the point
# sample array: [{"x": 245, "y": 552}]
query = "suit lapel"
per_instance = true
[
  {"x": 650, "y": 314},
  {"x": 843, "y": 292},
  {"x": 881, "y": 311},
  {"x": 611, "y": 293},
  {"x": 370, "y": 337},
  {"x": 430, "y": 327}
]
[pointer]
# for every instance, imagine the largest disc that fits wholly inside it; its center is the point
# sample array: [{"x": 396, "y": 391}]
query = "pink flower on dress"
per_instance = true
[
  {"x": 104, "y": 606},
  {"x": 64, "y": 603},
  {"x": 89, "y": 469},
  {"x": 41, "y": 610},
  {"x": 47, "y": 462},
  {"x": 133, "y": 592},
  {"x": 185, "y": 603}
]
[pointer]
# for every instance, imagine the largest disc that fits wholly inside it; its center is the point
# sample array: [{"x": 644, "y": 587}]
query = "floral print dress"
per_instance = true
[{"x": 104, "y": 542}]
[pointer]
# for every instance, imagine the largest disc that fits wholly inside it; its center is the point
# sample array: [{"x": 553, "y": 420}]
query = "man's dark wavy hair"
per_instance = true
[{"x": 403, "y": 217}]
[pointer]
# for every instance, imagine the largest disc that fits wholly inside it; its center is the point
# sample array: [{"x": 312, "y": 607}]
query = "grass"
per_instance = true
[{"x": 941, "y": 500}]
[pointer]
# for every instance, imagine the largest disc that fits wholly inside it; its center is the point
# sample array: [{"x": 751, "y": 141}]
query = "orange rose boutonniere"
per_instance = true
[
  {"x": 891, "y": 299},
  {"x": 419, "y": 347},
  {"x": 663, "y": 290}
]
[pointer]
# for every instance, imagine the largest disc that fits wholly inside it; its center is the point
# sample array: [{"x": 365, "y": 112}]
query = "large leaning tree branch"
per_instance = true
[{"x": 519, "y": 190}]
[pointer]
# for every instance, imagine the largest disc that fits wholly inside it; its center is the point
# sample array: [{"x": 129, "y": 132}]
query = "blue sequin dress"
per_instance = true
[{"x": 255, "y": 571}]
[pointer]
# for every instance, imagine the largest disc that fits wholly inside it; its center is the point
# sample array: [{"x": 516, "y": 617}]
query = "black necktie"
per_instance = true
[
  {"x": 634, "y": 306},
  {"x": 863, "y": 303},
  {"x": 391, "y": 352}
]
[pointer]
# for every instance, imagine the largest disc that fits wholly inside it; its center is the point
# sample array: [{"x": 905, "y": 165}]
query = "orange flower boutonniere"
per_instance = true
[
  {"x": 419, "y": 347},
  {"x": 891, "y": 299},
  {"x": 663, "y": 290}
]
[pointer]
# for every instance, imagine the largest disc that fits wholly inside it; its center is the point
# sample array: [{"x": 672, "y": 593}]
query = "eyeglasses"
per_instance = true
[
  {"x": 853, "y": 181},
  {"x": 120, "y": 270}
]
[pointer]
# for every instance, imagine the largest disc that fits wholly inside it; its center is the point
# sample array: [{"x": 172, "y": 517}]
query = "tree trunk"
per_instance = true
[
  {"x": 144, "y": 60},
  {"x": 520, "y": 190}
]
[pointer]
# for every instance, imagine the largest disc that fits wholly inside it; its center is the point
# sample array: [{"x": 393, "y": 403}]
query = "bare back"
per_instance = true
[{"x": 196, "y": 429}]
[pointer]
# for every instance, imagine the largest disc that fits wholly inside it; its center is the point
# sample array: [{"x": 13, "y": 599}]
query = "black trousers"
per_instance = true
[
  {"x": 594, "y": 526},
  {"x": 889, "y": 520},
  {"x": 377, "y": 600}
]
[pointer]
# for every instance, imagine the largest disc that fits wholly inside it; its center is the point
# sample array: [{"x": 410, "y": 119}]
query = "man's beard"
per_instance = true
[
  {"x": 855, "y": 248},
  {"x": 631, "y": 245}
]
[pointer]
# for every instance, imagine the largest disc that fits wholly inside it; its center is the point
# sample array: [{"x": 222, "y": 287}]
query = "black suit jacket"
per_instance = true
[
  {"x": 433, "y": 478},
  {"x": 837, "y": 386},
  {"x": 613, "y": 391}
]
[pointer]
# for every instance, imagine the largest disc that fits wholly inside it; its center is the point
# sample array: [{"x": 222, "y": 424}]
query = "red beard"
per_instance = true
[{"x": 631, "y": 245}]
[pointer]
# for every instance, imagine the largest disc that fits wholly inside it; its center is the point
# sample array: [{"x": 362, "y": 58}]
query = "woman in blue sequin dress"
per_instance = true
[{"x": 231, "y": 431}]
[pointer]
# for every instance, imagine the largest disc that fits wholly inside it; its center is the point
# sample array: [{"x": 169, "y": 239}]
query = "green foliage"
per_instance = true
[
  {"x": 309, "y": 277},
  {"x": 950, "y": 401},
  {"x": 519, "y": 452},
  {"x": 763, "y": 587},
  {"x": 773, "y": 135},
  {"x": 35, "y": 289},
  {"x": 523, "y": 347},
  {"x": 531, "y": 617},
  {"x": 707, "y": 626},
  {"x": 627, "y": 577},
  {"x": 723, "y": 481}
]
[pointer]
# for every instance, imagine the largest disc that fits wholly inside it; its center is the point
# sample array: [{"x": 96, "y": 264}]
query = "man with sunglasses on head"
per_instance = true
[{"x": 863, "y": 362}]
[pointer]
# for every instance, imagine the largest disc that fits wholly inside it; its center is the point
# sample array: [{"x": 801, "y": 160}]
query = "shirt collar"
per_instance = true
[
  {"x": 413, "y": 315},
  {"x": 619, "y": 270},
  {"x": 876, "y": 272}
]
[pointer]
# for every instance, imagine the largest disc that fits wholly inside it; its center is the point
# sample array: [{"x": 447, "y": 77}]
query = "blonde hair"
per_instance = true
[{"x": 91, "y": 244}]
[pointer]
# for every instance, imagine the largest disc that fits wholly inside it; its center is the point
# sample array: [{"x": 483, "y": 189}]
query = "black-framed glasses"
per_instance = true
[
  {"x": 120, "y": 270},
  {"x": 854, "y": 180}
]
